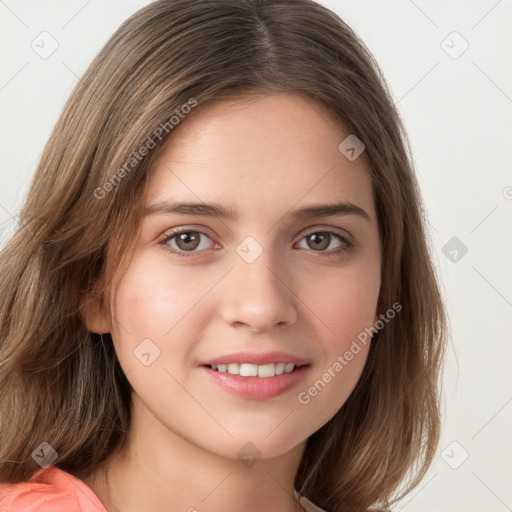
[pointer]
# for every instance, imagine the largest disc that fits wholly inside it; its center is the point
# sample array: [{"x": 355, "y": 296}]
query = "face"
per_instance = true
[{"x": 264, "y": 280}]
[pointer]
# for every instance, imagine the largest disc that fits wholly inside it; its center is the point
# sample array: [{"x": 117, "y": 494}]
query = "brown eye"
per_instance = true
[
  {"x": 318, "y": 240},
  {"x": 188, "y": 241},
  {"x": 185, "y": 241}
]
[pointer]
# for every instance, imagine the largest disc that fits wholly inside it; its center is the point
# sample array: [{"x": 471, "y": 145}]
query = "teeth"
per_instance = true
[
  {"x": 249, "y": 370},
  {"x": 289, "y": 367},
  {"x": 280, "y": 368},
  {"x": 254, "y": 370},
  {"x": 234, "y": 368}
]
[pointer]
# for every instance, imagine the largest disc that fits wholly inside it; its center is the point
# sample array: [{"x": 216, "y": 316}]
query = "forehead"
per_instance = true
[{"x": 265, "y": 153}]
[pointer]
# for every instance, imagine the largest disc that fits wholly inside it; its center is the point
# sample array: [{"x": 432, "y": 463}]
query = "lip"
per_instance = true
[
  {"x": 260, "y": 358},
  {"x": 257, "y": 388}
]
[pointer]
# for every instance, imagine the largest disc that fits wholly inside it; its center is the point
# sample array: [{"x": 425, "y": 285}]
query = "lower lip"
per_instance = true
[{"x": 257, "y": 388}]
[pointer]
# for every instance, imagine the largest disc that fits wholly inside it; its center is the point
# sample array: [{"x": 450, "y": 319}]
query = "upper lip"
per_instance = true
[{"x": 258, "y": 358}]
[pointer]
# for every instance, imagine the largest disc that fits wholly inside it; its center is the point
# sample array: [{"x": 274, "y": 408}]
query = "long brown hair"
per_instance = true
[{"x": 63, "y": 385}]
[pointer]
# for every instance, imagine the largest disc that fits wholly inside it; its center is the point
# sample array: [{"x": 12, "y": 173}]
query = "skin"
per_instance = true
[{"x": 265, "y": 157}]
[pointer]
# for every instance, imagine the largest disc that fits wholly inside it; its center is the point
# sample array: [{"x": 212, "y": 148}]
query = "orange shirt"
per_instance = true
[{"x": 49, "y": 490}]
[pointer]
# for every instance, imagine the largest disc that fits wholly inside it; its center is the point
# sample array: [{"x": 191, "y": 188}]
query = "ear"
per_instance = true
[{"x": 94, "y": 315}]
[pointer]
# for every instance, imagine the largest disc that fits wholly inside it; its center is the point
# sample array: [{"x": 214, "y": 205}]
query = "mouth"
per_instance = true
[
  {"x": 263, "y": 371},
  {"x": 256, "y": 382}
]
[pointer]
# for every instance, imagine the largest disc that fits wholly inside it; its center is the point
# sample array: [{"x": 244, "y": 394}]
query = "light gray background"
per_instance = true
[{"x": 457, "y": 108}]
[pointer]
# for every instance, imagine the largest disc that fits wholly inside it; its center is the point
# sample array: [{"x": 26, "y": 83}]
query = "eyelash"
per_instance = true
[{"x": 335, "y": 253}]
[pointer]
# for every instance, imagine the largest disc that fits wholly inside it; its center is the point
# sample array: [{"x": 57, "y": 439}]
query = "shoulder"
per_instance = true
[
  {"x": 49, "y": 490},
  {"x": 311, "y": 507},
  {"x": 307, "y": 505}
]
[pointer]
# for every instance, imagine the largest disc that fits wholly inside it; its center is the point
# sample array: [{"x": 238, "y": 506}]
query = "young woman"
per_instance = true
[{"x": 221, "y": 295}]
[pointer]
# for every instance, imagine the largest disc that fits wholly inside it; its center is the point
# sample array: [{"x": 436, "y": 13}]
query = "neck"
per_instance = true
[{"x": 160, "y": 470}]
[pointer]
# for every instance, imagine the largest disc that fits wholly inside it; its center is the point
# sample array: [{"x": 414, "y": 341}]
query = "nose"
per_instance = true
[{"x": 259, "y": 295}]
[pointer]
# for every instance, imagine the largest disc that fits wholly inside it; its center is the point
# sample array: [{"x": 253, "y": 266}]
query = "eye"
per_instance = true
[
  {"x": 188, "y": 240},
  {"x": 320, "y": 240}
]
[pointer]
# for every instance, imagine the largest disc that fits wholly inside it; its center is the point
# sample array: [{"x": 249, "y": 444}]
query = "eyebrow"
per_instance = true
[{"x": 219, "y": 211}]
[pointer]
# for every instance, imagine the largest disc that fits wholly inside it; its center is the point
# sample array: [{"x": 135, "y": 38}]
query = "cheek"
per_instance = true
[
  {"x": 330, "y": 387},
  {"x": 153, "y": 301},
  {"x": 346, "y": 305},
  {"x": 156, "y": 326},
  {"x": 154, "y": 296},
  {"x": 345, "y": 310},
  {"x": 345, "y": 351}
]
